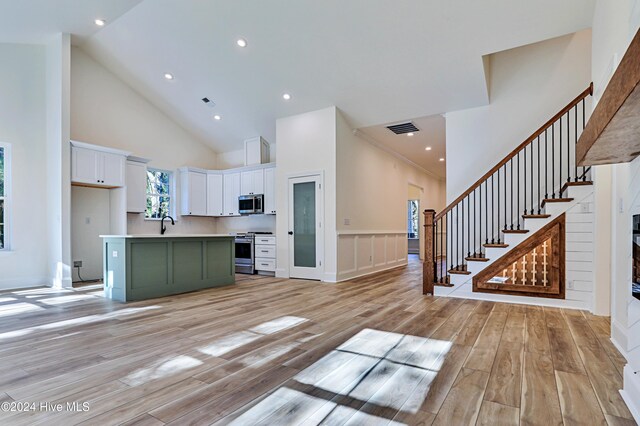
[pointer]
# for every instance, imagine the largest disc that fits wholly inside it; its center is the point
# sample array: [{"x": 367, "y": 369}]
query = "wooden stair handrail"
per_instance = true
[{"x": 587, "y": 92}]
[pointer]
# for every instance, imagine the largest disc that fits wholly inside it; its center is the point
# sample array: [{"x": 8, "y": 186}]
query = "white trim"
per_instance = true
[
  {"x": 371, "y": 232},
  {"x": 100, "y": 148},
  {"x": 400, "y": 157},
  {"x": 631, "y": 392},
  {"x": 319, "y": 270},
  {"x": 25, "y": 282},
  {"x": 345, "y": 276},
  {"x": 8, "y": 198}
]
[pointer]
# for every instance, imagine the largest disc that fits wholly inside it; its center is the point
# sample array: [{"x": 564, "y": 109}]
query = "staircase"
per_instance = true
[{"x": 527, "y": 190}]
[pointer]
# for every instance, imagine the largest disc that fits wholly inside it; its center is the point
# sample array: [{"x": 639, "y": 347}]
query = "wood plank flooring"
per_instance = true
[{"x": 269, "y": 351}]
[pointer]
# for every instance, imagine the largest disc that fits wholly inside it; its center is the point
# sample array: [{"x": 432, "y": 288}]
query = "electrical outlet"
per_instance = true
[
  {"x": 584, "y": 207},
  {"x": 347, "y": 222},
  {"x": 570, "y": 284},
  {"x": 77, "y": 263}
]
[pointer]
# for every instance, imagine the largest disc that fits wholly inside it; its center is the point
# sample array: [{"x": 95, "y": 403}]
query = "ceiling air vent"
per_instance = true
[
  {"x": 402, "y": 128},
  {"x": 208, "y": 102}
]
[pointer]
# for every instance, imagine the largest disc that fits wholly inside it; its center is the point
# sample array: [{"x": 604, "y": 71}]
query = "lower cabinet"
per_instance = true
[{"x": 265, "y": 254}]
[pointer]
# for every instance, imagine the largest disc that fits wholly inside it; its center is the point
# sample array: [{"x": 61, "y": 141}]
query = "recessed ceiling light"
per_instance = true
[
  {"x": 168, "y": 76},
  {"x": 410, "y": 134},
  {"x": 217, "y": 117},
  {"x": 100, "y": 22},
  {"x": 286, "y": 96},
  {"x": 442, "y": 159},
  {"x": 428, "y": 148},
  {"x": 241, "y": 42}
]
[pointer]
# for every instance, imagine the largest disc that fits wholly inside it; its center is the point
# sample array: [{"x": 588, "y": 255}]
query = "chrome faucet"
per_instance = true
[{"x": 163, "y": 228}]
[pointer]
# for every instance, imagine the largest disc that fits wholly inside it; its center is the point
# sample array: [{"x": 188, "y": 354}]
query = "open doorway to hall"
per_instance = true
[{"x": 413, "y": 219}]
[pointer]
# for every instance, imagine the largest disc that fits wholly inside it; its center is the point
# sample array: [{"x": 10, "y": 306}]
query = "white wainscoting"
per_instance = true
[{"x": 368, "y": 252}]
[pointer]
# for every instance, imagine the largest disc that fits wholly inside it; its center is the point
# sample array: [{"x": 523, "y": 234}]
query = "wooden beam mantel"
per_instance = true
[{"x": 612, "y": 134}]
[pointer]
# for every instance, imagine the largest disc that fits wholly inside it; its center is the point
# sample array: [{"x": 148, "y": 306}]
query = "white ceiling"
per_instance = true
[
  {"x": 431, "y": 134},
  {"x": 34, "y": 21},
  {"x": 379, "y": 61}
]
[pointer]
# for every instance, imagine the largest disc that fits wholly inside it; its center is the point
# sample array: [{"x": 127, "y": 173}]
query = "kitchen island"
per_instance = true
[{"x": 139, "y": 267}]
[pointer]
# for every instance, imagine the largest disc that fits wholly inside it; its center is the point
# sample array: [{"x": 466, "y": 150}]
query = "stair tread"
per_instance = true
[
  {"x": 443, "y": 284},
  {"x": 536, "y": 216},
  {"x": 515, "y": 231},
  {"x": 496, "y": 245},
  {"x": 461, "y": 271},
  {"x": 556, "y": 200},
  {"x": 477, "y": 259},
  {"x": 579, "y": 183}
]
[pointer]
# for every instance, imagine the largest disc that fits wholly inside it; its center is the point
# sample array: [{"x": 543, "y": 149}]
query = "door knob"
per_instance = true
[{"x": 290, "y": 232}]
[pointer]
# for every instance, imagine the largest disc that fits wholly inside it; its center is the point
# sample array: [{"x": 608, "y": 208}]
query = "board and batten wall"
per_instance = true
[
  {"x": 106, "y": 111},
  {"x": 373, "y": 188}
]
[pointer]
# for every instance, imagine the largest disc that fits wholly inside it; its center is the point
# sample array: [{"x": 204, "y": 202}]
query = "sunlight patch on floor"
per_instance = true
[
  {"x": 61, "y": 300},
  {"x": 228, "y": 343},
  {"x": 18, "y": 308},
  {"x": 75, "y": 321},
  {"x": 374, "y": 371},
  {"x": 161, "y": 369}
]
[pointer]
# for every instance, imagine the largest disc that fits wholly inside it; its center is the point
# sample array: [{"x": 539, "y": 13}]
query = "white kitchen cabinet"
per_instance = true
[
  {"x": 215, "y": 194},
  {"x": 136, "y": 179},
  {"x": 97, "y": 166},
  {"x": 193, "y": 192},
  {"x": 252, "y": 182},
  {"x": 270, "y": 190},
  {"x": 231, "y": 192},
  {"x": 265, "y": 254},
  {"x": 256, "y": 151}
]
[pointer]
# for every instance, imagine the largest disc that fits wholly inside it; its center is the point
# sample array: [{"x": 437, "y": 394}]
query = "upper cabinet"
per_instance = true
[
  {"x": 97, "y": 166},
  {"x": 270, "y": 190},
  {"x": 193, "y": 192},
  {"x": 215, "y": 199},
  {"x": 136, "y": 179},
  {"x": 252, "y": 182},
  {"x": 231, "y": 193},
  {"x": 256, "y": 151}
]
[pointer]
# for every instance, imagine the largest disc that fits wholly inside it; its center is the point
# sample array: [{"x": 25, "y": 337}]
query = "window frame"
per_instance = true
[
  {"x": 6, "y": 221},
  {"x": 171, "y": 195}
]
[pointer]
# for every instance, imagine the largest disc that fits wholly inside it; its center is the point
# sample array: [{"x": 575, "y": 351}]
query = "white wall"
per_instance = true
[
  {"x": 89, "y": 219},
  {"x": 233, "y": 159},
  {"x": 528, "y": 85},
  {"x": 58, "y": 160},
  {"x": 307, "y": 142},
  {"x": 23, "y": 125},
  {"x": 372, "y": 193},
  {"x": 106, "y": 111}
]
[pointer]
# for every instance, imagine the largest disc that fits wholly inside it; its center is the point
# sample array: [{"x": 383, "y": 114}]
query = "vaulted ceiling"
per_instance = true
[{"x": 379, "y": 61}]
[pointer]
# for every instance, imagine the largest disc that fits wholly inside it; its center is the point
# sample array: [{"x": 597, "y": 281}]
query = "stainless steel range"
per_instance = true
[{"x": 245, "y": 252}]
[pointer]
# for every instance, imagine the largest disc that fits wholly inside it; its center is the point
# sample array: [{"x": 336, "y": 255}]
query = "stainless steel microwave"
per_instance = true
[{"x": 251, "y": 204}]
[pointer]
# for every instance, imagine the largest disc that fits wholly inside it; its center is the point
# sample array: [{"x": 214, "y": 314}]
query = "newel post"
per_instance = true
[{"x": 428, "y": 266}]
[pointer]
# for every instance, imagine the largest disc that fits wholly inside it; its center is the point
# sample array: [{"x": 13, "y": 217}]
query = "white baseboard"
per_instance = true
[
  {"x": 619, "y": 337},
  {"x": 631, "y": 392},
  {"x": 351, "y": 275},
  {"x": 507, "y": 298},
  {"x": 20, "y": 283}
]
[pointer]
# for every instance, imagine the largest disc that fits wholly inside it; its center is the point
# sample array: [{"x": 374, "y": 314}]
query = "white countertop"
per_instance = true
[{"x": 169, "y": 236}]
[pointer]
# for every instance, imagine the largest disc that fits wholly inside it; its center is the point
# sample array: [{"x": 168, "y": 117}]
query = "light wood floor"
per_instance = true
[{"x": 277, "y": 352}]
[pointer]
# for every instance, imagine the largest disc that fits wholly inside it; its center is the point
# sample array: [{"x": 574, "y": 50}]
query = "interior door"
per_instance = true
[{"x": 305, "y": 227}]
